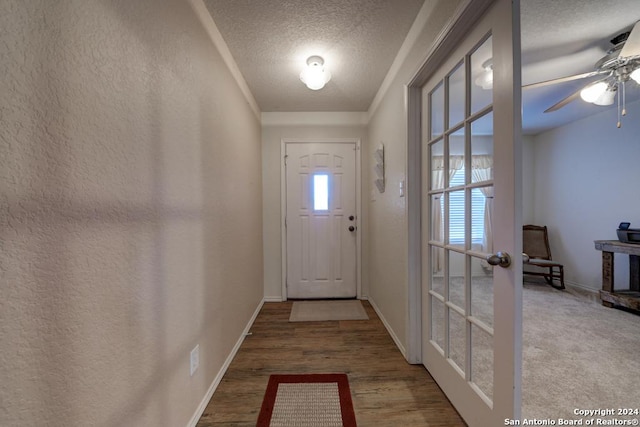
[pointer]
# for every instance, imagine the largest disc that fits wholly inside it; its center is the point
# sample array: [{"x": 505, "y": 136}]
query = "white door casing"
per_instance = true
[
  {"x": 472, "y": 349},
  {"x": 321, "y": 210}
]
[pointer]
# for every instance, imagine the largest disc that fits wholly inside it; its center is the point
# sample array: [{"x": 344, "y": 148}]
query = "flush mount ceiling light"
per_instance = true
[
  {"x": 485, "y": 79},
  {"x": 314, "y": 75}
]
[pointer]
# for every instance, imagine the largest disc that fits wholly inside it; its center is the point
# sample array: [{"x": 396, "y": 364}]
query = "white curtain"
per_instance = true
[
  {"x": 482, "y": 170},
  {"x": 437, "y": 182}
]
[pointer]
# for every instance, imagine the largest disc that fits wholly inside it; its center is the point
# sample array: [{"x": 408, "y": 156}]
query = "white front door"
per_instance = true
[
  {"x": 472, "y": 311},
  {"x": 321, "y": 223}
]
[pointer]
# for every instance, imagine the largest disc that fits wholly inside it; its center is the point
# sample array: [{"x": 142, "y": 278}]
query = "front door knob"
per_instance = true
[
  {"x": 351, "y": 217},
  {"x": 352, "y": 228}
]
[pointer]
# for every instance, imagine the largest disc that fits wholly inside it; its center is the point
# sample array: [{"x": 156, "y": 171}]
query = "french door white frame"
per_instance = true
[
  {"x": 283, "y": 205},
  {"x": 467, "y": 15}
]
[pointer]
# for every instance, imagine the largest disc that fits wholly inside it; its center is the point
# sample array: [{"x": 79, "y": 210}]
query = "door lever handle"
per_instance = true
[{"x": 502, "y": 259}]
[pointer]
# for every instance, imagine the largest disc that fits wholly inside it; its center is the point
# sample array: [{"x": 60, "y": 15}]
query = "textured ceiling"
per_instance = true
[
  {"x": 562, "y": 38},
  {"x": 270, "y": 40}
]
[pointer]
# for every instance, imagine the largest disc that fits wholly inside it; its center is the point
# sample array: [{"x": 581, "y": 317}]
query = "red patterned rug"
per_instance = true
[{"x": 307, "y": 400}]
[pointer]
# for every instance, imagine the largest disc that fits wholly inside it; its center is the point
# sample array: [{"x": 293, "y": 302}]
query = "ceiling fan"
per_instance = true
[{"x": 621, "y": 63}]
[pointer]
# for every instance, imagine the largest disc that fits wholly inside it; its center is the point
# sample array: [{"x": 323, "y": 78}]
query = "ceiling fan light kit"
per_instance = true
[
  {"x": 607, "y": 97},
  {"x": 485, "y": 79},
  {"x": 314, "y": 75},
  {"x": 619, "y": 65},
  {"x": 592, "y": 92}
]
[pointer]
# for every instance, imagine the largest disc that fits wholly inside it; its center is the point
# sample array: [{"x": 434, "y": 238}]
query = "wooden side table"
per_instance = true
[{"x": 609, "y": 296}]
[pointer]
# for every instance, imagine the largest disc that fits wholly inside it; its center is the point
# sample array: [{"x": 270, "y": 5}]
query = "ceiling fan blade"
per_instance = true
[
  {"x": 631, "y": 47},
  {"x": 565, "y": 79},
  {"x": 575, "y": 95}
]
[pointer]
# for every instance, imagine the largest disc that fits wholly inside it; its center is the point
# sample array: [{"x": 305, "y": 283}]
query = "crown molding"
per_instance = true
[
  {"x": 409, "y": 41},
  {"x": 315, "y": 118},
  {"x": 210, "y": 27}
]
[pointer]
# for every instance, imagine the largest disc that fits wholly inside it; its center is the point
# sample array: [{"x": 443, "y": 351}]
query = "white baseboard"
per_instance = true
[
  {"x": 273, "y": 299},
  {"x": 583, "y": 291},
  {"x": 394, "y": 337},
  {"x": 216, "y": 381}
]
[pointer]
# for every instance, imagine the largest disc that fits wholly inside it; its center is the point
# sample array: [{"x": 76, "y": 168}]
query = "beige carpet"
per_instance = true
[
  {"x": 577, "y": 355},
  {"x": 317, "y": 311}
]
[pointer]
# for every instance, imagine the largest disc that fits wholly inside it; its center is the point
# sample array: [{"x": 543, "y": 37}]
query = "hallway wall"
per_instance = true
[
  {"x": 388, "y": 250},
  {"x": 130, "y": 212},
  {"x": 586, "y": 176}
]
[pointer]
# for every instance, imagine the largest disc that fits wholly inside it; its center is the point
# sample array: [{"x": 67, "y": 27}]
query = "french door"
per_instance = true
[
  {"x": 471, "y": 276},
  {"x": 321, "y": 220}
]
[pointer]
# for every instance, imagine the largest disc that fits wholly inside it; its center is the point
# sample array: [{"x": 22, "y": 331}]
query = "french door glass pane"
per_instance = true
[
  {"x": 482, "y": 149},
  {"x": 437, "y": 322},
  {"x": 437, "y": 165},
  {"x": 482, "y": 360},
  {"x": 456, "y": 155},
  {"x": 457, "y": 278},
  {"x": 456, "y": 218},
  {"x": 437, "y": 111},
  {"x": 482, "y": 77},
  {"x": 482, "y": 291},
  {"x": 437, "y": 267},
  {"x": 480, "y": 235},
  {"x": 437, "y": 226},
  {"x": 457, "y": 340},
  {"x": 456, "y": 96}
]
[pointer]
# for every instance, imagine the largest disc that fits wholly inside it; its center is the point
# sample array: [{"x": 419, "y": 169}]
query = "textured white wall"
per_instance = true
[
  {"x": 586, "y": 183},
  {"x": 528, "y": 179},
  {"x": 130, "y": 212},
  {"x": 388, "y": 260},
  {"x": 272, "y": 136}
]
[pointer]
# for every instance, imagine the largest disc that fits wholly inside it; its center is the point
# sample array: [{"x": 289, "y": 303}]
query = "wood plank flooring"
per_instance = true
[{"x": 386, "y": 390}]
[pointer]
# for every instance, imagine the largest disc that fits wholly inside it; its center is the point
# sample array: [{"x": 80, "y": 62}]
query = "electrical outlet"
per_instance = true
[{"x": 194, "y": 359}]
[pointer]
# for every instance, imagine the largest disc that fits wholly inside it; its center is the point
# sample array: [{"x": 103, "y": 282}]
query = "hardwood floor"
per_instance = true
[{"x": 386, "y": 390}]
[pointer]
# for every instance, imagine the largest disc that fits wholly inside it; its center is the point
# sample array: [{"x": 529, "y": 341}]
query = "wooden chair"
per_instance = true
[{"x": 535, "y": 243}]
